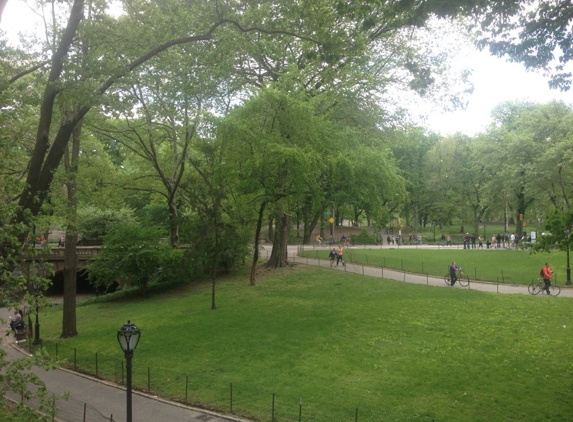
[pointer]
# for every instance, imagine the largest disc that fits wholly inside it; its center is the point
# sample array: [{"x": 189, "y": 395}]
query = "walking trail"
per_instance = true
[{"x": 399, "y": 275}]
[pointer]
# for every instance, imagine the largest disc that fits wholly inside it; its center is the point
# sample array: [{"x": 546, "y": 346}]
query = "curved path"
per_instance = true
[{"x": 407, "y": 277}]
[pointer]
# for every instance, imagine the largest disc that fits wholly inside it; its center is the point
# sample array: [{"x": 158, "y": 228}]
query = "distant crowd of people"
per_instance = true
[{"x": 499, "y": 241}]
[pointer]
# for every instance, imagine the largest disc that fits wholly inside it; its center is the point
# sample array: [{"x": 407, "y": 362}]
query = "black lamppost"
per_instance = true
[
  {"x": 37, "y": 339},
  {"x": 128, "y": 337}
]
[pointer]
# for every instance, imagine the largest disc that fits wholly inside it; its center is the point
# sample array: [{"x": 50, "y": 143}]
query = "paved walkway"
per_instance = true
[
  {"x": 411, "y": 277},
  {"x": 103, "y": 400}
]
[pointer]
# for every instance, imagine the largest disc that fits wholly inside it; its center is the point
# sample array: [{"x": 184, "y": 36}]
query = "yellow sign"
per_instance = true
[{"x": 331, "y": 220}]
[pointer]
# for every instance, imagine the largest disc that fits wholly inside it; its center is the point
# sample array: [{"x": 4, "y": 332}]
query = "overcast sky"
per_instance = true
[{"x": 495, "y": 81}]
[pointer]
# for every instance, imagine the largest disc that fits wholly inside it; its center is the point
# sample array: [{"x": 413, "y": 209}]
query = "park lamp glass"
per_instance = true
[{"x": 128, "y": 337}]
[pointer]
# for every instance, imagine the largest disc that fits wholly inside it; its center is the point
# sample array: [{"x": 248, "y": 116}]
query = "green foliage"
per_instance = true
[
  {"x": 95, "y": 223},
  {"x": 364, "y": 238},
  {"x": 133, "y": 255},
  {"x": 557, "y": 231},
  {"x": 231, "y": 247}
]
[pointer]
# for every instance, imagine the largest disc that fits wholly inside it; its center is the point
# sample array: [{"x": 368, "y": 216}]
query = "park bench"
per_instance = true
[{"x": 20, "y": 332}]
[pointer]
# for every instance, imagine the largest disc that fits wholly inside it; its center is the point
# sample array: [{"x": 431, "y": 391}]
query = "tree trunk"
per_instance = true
[
  {"x": 309, "y": 227},
  {"x": 216, "y": 251},
  {"x": 279, "y": 255},
  {"x": 505, "y": 219},
  {"x": 271, "y": 229},
  {"x": 416, "y": 217},
  {"x": 256, "y": 248},
  {"x": 45, "y": 158},
  {"x": 173, "y": 223},
  {"x": 69, "y": 324},
  {"x": 521, "y": 207}
]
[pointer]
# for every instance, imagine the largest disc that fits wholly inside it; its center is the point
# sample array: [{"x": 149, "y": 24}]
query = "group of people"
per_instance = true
[
  {"x": 446, "y": 240},
  {"x": 508, "y": 241},
  {"x": 61, "y": 241},
  {"x": 336, "y": 254},
  {"x": 391, "y": 240},
  {"x": 470, "y": 241},
  {"x": 412, "y": 239}
]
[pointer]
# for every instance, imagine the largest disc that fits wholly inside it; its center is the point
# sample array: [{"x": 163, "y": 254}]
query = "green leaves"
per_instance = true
[{"x": 132, "y": 256}]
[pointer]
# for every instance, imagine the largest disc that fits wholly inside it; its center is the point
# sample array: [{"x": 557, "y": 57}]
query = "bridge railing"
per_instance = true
[{"x": 83, "y": 253}]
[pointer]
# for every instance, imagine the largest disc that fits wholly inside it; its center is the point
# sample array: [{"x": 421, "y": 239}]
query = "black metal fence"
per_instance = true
[{"x": 230, "y": 399}]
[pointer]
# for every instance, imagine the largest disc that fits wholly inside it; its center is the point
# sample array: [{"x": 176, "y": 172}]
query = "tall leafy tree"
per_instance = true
[{"x": 532, "y": 144}]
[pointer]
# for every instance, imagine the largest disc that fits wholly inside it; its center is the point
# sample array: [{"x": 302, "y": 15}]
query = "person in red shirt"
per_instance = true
[{"x": 546, "y": 273}]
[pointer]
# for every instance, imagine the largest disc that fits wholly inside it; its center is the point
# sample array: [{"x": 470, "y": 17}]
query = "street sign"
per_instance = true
[{"x": 331, "y": 220}]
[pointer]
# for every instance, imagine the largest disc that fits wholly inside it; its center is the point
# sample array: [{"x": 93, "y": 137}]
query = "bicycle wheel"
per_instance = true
[
  {"x": 534, "y": 288},
  {"x": 448, "y": 279},
  {"x": 464, "y": 280},
  {"x": 554, "y": 290}
]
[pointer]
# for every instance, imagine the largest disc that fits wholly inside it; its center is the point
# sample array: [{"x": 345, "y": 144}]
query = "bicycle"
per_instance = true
[
  {"x": 538, "y": 285},
  {"x": 463, "y": 279}
]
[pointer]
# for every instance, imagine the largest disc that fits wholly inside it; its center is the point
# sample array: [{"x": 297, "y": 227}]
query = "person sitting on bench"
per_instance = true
[{"x": 16, "y": 320}]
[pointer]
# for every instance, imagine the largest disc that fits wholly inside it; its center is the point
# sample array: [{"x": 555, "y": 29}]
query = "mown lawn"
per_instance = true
[
  {"x": 339, "y": 341},
  {"x": 503, "y": 266}
]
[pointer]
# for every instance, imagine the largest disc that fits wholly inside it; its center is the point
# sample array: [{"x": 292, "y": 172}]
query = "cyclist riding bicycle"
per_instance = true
[
  {"x": 546, "y": 274},
  {"x": 453, "y": 273}
]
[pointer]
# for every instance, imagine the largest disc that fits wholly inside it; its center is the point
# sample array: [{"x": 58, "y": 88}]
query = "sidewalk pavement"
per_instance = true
[{"x": 103, "y": 400}]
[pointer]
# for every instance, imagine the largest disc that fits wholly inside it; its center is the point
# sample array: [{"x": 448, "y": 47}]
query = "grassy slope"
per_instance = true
[
  {"x": 396, "y": 351},
  {"x": 508, "y": 266}
]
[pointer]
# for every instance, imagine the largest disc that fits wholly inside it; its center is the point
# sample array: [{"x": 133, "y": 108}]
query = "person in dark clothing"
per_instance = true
[
  {"x": 15, "y": 320},
  {"x": 332, "y": 257},
  {"x": 453, "y": 273}
]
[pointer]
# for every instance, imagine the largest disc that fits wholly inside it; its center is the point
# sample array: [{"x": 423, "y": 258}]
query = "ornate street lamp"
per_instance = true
[
  {"x": 128, "y": 337},
  {"x": 37, "y": 339}
]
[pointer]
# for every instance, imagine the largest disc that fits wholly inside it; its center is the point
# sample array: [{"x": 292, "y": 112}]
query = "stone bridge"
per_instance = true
[{"x": 55, "y": 256}]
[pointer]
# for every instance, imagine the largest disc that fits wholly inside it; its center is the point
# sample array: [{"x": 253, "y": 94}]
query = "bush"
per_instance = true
[
  {"x": 364, "y": 238},
  {"x": 95, "y": 223},
  {"x": 200, "y": 252},
  {"x": 134, "y": 255}
]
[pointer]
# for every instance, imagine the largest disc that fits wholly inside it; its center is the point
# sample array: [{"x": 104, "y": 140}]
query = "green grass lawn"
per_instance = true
[
  {"x": 340, "y": 341},
  {"x": 503, "y": 266}
]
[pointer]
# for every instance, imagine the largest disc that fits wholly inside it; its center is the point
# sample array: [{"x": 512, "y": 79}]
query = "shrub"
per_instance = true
[
  {"x": 95, "y": 223},
  {"x": 364, "y": 238},
  {"x": 133, "y": 255}
]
